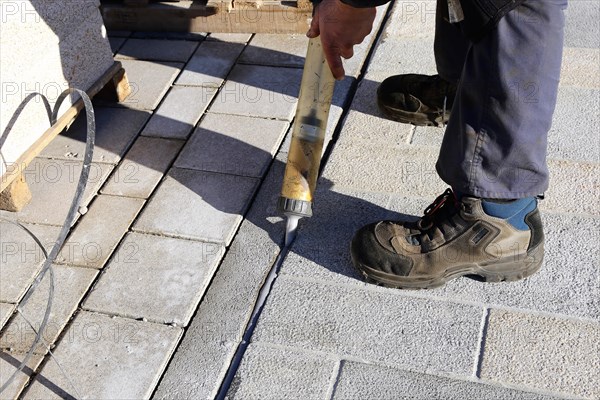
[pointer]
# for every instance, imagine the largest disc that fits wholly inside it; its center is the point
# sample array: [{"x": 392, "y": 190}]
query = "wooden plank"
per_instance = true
[
  {"x": 65, "y": 119},
  {"x": 237, "y": 16}
]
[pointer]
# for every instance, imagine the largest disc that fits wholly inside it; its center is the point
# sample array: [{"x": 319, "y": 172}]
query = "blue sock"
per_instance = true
[{"x": 514, "y": 211}]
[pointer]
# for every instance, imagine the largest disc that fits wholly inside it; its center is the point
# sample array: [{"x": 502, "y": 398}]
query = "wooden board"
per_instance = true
[{"x": 237, "y": 16}]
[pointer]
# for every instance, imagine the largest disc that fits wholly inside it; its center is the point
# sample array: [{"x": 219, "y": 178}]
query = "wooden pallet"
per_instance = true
[
  {"x": 222, "y": 16},
  {"x": 14, "y": 192}
]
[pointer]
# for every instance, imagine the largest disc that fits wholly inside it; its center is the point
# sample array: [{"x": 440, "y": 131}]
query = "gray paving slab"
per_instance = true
[
  {"x": 8, "y": 365},
  {"x": 581, "y": 27},
  {"x": 213, "y": 204},
  {"x": 70, "y": 284},
  {"x": 573, "y": 138},
  {"x": 229, "y": 37},
  {"x": 373, "y": 325},
  {"x": 411, "y": 19},
  {"x": 157, "y": 50},
  {"x": 364, "y": 381},
  {"x": 53, "y": 184},
  {"x": 116, "y": 128},
  {"x": 99, "y": 231},
  {"x": 545, "y": 352},
  {"x": 259, "y": 91},
  {"x": 272, "y": 373},
  {"x": 179, "y": 112},
  {"x": 567, "y": 284},
  {"x": 143, "y": 167},
  {"x": 113, "y": 349},
  {"x": 194, "y": 36},
  {"x": 250, "y": 144},
  {"x": 403, "y": 56},
  {"x": 579, "y": 67},
  {"x": 21, "y": 258},
  {"x": 569, "y": 178},
  {"x": 116, "y": 43},
  {"x": 427, "y": 136},
  {"x": 219, "y": 323},
  {"x": 6, "y": 310},
  {"x": 149, "y": 81},
  {"x": 374, "y": 167},
  {"x": 276, "y": 50},
  {"x": 170, "y": 277},
  {"x": 210, "y": 64}
]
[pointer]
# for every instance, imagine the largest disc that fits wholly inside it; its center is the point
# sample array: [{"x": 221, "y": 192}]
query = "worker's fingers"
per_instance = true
[
  {"x": 347, "y": 52},
  {"x": 333, "y": 57},
  {"x": 314, "y": 31}
]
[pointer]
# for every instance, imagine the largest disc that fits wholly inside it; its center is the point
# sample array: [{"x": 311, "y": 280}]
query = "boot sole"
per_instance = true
[{"x": 507, "y": 269}]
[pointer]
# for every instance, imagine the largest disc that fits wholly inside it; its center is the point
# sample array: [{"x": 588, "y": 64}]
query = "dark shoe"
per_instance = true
[
  {"x": 454, "y": 238},
  {"x": 416, "y": 99}
]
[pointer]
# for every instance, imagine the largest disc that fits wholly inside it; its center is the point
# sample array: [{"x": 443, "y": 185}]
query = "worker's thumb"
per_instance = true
[{"x": 313, "y": 31}]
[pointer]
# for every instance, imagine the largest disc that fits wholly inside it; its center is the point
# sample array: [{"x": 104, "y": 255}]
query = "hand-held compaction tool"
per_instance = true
[{"x": 308, "y": 136}]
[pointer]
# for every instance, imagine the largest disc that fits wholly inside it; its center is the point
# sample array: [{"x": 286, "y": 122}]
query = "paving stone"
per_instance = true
[
  {"x": 271, "y": 373},
  {"x": 179, "y": 113},
  {"x": 543, "y": 352},
  {"x": 21, "y": 258},
  {"x": 403, "y": 56},
  {"x": 116, "y": 128},
  {"x": 143, "y": 167},
  {"x": 428, "y": 136},
  {"x": 218, "y": 325},
  {"x": 425, "y": 335},
  {"x": 157, "y": 50},
  {"x": 364, "y": 381},
  {"x": 210, "y": 64},
  {"x": 229, "y": 37},
  {"x": 411, "y": 19},
  {"x": 373, "y": 167},
  {"x": 568, "y": 283},
  {"x": 579, "y": 67},
  {"x": 116, "y": 43},
  {"x": 572, "y": 138},
  {"x": 568, "y": 178},
  {"x": 117, "y": 33},
  {"x": 250, "y": 144},
  {"x": 198, "y": 205},
  {"x": 196, "y": 36},
  {"x": 582, "y": 28},
  {"x": 103, "y": 355},
  {"x": 259, "y": 91},
  {"x": 70, "y": 284},
  {"x": 170, "y": 278},
  {"x": 276, "y": 50},
  {"x": 97, "y": 235},
  {"x": 8, "y": 364},
  {"x": 6, "y": 310},
  {"x": 149, "y": 81}
]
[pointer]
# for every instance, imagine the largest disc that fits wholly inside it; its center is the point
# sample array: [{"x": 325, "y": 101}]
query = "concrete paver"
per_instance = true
[
  {"x": 408, "y": 331},
  {"x": 116, "y": 128},
  {"x": 363, "y": 381},
  {"x": 553, "y": 353},
  {"x": 581, "y": 28},
  {"x": 116, "y": 43},
  {"x": 103, "y": 355},
  {"x": 229, "y": 37},
  {"x": 179, "y": 112},
  {"x": 214, "y": 205},
  {"x": 6, "y": 310},
  {"x": 8, "y": 364},
  {"x": 210, "y": 64},
  {"x": 272, "y": 373},
  {"x": 149, "y": 81},
  {"x": 170, "y": 277},
  {"x": 250, "y": 144},
  {"x": 157, "y": 50},
  {"x": 70, "y": 284},
  {"x": 276, "y": 50},
  {"x": 193, "y": 36},
  {"x": 96, "y": 236},
  {"x": 259, "y": 91},
  {"x": 579, "y": 68},
  {"x": 143, "y": 167}
]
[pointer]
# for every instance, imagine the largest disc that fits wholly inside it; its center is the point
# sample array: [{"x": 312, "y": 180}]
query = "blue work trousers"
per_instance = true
[{"x": 495, "y": 142}]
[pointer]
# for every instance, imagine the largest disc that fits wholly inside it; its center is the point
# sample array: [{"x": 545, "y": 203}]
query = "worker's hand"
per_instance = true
[{"x": 341, "y": 27}]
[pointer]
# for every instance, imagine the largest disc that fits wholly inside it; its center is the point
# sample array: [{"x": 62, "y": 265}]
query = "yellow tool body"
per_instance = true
[{"x": 308, "y": 136}]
